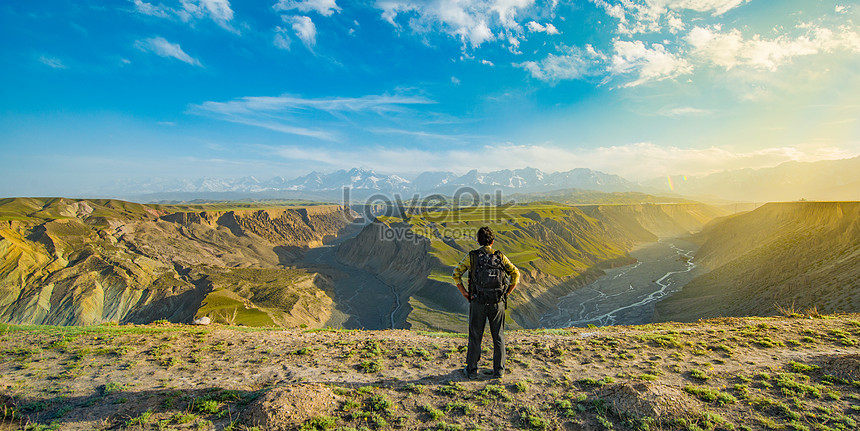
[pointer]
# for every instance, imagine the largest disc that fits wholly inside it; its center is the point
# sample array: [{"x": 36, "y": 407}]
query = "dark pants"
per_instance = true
[{"x": 479, "y": 314}]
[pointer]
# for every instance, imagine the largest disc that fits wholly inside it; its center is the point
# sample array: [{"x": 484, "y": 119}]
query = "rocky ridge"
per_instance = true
[
  {"x": 797, "y": 255},
  {"x": 79, "y": 262},
  {"x": 557, "y": 249}
]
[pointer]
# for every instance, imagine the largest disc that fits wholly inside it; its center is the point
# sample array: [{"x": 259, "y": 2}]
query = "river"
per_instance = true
[
  {"x": 627, "y": 295},
  {"x": 362, "y": 300}
]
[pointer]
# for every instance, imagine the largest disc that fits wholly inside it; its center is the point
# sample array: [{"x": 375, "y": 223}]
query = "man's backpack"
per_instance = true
[{"x": 488, "y": 281}]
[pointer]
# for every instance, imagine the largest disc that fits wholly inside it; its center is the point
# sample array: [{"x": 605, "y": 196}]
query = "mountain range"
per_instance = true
[
  {"x": 789, "y": 181},
  {"x": 822, "y": 180},
  {"x": 316, "y": 185}
]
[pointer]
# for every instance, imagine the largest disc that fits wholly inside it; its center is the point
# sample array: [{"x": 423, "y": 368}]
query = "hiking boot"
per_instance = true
[
  {"x": 469, "y": 374},
  {"x": 498, "y": 374}
]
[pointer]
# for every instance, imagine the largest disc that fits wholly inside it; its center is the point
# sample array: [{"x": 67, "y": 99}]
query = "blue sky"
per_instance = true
[{"x": 99, "y": 92}]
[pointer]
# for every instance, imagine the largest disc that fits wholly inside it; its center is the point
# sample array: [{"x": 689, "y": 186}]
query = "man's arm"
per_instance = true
[
  {"x": 462, "y": 267},
  {"x": 512, "y": 271}
]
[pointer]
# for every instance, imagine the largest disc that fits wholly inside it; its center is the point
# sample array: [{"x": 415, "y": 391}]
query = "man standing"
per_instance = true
[{"x": 487, "y": 296}]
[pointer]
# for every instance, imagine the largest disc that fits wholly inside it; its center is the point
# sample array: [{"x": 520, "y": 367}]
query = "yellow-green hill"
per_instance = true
[
  {"x": 793, "y": 255},
  {"x": 557, "y": 248},
  {"x": 80, "y": 262}
]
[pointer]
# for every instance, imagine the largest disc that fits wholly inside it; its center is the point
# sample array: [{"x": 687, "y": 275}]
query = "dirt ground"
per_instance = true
[{"x": 737, "y": 373}]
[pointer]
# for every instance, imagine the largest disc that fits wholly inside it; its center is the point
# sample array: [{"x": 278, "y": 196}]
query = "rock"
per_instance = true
[
  {"x": 288, "y": 407},
  {"x": 638, "y": 400},
  {"x": 205, "y": 320}
]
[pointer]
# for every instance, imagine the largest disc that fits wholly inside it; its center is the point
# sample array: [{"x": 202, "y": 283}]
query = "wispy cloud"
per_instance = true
[
  {"x": 421, "y": 134},
  {"x": 473, "y": 22},
  {"x": 218, "y": 11},
  {"x": 286, "y": 113},
  {"x": 282, "y": 39},
  {"x": 304, "y": 28},
  {"x": 572, "y": 63},
  {"x": 535, "y": 27},
  {"x": 322, "y": 7},
  {"x": 654, "y": 16},
  {"x": 649, "y": 64},
  {"x": 160, "y": 46},
  {"x": 52, "y": 62},
  {"x": 682, "y": 111},
  {"x": 631, "y": 60},
  {"x": 729, "y": 49},
  {"x": 160, "y": 10}
]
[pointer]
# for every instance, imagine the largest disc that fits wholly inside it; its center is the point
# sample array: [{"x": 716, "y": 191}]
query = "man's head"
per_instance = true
[{"x": 485, "y": 236}]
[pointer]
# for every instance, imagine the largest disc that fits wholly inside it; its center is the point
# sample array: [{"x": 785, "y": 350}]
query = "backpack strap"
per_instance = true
[{"x": 472, "y": 255}]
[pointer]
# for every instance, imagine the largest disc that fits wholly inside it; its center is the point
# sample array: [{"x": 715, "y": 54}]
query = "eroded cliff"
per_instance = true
[
  {"x": 557, "y": 249},
  {"x": 77, "y": 262},
  {"x": 793, "y": 254}
]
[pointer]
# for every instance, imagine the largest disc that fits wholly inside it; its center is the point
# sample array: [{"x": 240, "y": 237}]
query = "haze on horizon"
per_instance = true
[{"x": 96, "y": 93}]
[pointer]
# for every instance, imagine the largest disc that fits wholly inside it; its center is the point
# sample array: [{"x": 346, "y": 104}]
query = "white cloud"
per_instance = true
[
  {"x": 473, "y": 22},
  {"x": 675, "y": 23},
  {"x": 716, "y": 7},
  {"x": 281, "y": 40},
  {"x": 285, "y": 113},
  {"x": 652, "y": 16},
  {"x": 217, "y": 10},
  {"x": 150, "y": 9},
  {"x": 323, "y": 7},
  {"x": 52, "y": 62},
  {"x": 650, "y": 64},
  {"x": 487, "y": 63},
  {"x": 535, "y": 27},
  {"x": 304, "y": 28},
  {"x": 682, "y": 111},
  {"x": 730, "y": 49},
  {"x": 160, "y": 46},
  {"x": 574, "y": 63}
]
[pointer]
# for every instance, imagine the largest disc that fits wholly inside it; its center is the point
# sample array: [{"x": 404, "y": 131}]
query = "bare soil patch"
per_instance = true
[{"x": 729, "y": 374}]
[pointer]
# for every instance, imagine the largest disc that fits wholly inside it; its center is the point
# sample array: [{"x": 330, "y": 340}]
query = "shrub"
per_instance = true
[
  {"x": 699, "y": 374},
  {"x": 320, "y": 423},
  {"x": 532, "y": 419},
  {"x": 521, "y": 386},
  {"x": 435, "y": 414},
  {"x": 369, "y": 366}
]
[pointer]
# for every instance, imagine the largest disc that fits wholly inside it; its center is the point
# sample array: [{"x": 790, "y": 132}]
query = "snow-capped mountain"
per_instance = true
[
  {"x": 358, "y": 179},
  {"x": 524, "y": 180},
  {"x": 365, "y": 182}
]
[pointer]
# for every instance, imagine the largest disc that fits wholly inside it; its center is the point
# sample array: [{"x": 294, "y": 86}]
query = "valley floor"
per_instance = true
[{"x": 799, "y": 373}]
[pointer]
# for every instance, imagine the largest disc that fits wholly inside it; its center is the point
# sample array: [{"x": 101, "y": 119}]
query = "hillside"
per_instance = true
[
  {"x": 804, "y": 254},
  {"x": 789, "y": 181},
  {"x": 84, "y": 262},
  {"x": 727, "y": 374},
  {"x": 557, "y": 249},
  {"x": 592, "y": 197}
]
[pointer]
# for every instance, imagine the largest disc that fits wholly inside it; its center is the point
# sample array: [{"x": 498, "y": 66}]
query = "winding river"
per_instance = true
[
  {"x": 362, "y": 300},
  {"x": 626, "y": 295}
]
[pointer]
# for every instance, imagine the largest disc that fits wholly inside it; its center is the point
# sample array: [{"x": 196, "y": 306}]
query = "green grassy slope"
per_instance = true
[
  {"x": 801, "y": 253},
  {"x": 557, "y": 248},
  {"x": 591, "y": 197}
]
